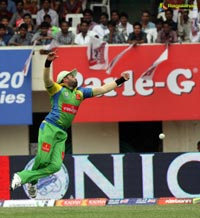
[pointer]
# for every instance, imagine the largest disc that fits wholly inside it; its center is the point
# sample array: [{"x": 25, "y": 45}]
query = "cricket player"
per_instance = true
[{"x": 65, "y": 99}]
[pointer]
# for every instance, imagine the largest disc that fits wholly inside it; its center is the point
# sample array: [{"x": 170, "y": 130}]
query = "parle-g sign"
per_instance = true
[
  {"x": 175, "y": 83},
  {"x": 145, "y": 87}
]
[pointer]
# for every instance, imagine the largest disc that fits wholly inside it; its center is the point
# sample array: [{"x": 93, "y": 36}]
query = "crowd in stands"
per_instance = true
[{"x": 23, "y": 22}]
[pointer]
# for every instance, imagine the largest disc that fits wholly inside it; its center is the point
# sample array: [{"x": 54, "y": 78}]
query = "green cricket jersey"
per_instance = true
[{"x": 65, "y": 104}]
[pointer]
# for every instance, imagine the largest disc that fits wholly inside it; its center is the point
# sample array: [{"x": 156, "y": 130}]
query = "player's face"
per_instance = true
[{"x": 71, "y": 81}]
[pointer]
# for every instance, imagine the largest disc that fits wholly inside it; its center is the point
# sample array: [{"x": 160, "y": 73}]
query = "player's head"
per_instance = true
[{"x": 68, "y": 78}]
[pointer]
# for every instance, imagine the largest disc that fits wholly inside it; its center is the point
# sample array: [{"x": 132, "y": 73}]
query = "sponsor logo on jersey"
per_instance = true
[
  {"x": 78, "y": 97},
  {"x": 46, "y": 147},
  {"x": 68, "y": 108}
]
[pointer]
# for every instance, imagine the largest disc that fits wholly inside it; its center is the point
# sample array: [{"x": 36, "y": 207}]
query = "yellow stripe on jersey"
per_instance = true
[{"x": 54, "y": 89}]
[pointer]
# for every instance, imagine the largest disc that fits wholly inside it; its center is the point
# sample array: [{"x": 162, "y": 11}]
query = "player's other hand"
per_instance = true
[
  {"x": 125, "y": 75},
  {"x": 52, "y": 56}
]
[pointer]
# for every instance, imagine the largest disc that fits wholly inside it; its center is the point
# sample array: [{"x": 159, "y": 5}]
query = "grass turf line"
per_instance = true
[{"x": 140, "y": 211}]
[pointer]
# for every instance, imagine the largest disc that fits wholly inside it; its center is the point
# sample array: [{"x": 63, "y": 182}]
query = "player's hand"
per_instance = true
[
  {"x": 52, "y": 56},
  {"x": 125, "y": 75}
]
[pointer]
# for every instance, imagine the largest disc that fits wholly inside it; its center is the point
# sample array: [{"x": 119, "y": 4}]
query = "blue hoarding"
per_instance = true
[{"x": 15, "y": 88}]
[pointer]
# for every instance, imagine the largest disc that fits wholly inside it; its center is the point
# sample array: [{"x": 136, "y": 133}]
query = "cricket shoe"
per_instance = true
[
  {"x": 32, "y": 190},
  {"x": 16, "y": 182}
]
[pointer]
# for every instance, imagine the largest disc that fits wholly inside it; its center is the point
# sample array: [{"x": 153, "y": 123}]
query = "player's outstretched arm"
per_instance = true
[
  {"x": 110, "y": 86},
  {"x": 46, "y": 75}
]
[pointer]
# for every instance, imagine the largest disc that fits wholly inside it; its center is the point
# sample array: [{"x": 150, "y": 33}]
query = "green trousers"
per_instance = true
[{"x": 50, "y": 154}]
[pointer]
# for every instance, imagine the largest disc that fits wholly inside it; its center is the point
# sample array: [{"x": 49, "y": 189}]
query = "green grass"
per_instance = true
[{"x": 147, "y": 211}]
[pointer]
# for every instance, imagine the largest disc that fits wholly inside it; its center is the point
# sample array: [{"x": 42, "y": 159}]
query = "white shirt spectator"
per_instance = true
[
  {"x": 51, "y": 12},
  {"x": 151, "y": 35},
  {"x": 126, "y": 31},
  {"x": 80, "y": 40},
  {"x": 100, "y": 30}
]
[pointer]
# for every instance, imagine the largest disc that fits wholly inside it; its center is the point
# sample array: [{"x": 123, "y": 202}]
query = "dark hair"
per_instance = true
[
  {"x": 64, "y": 21},
  {"x": 2, "y": 26},
  {"x": 88, "y": 11},
  {"x": 115, "y": 11},
  {"x": 104, "y": 14},
  {"x": 167, "y": 22},
  {"x": 27, "y": 14},
  {"x": 4, "y": 17},
  {"x": 112, "y": 23},
  {"x": 46, "y": 1},
  {"x": 137, "y": 24},
  {"x": 44, "y": 25},
  {"x": 170, "y": 10},
  {"x": 159, "y": 21},
  {"x": 46, "y": 16},
  {"x": 23, "y": 26},
  {"x": 19, "y": 1},
  {"x": 4, "y": 1},
  {"x": 146, "y": 12},
  {"x": 84, "y": 21},
  {"x": 124, "y": 14}
]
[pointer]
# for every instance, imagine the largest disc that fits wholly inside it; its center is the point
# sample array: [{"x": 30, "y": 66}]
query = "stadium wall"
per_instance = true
[{"x": 14, "y": 140}]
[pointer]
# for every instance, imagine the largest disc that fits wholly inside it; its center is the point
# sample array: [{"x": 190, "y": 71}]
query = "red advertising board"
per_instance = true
[
  {"x": 4, "y": 178},
  {"x": 173, "y": 94}
]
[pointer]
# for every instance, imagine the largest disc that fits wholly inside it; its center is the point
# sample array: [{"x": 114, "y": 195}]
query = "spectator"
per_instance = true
[
  {"x": 72, "y": 7},
  {"x": 21, "y": 38},
  {"x": 3, "y": 39},
  {"x": 161, "y": 14},
  {"x": 43, "y": 36},
  {"x": 53, "y": 30},
  {"x": 184, "y": 26},
  {"x": 145, "y": 21},
  {"x": 115, "y": 16},
  {"x": 9, "y": 30},
  {"x": 152, "y": 33},
  {"x": 114, "y": 36},
  {"x": 88, "y": 17},
  {"x": 3, "y": 10},
  {"x": 124, "y": 26},
  {"x": 169, "y": 18},
  {"x": 46, "y": 10},
  {"x": 84, "y": 36},
  {"x": 148, "y": 27},
  {"x": 137, "y": 36},
  {"x": 159, "y": 24},
  {"x": 17, "y": 18},
  {"x": 31, "y": 6},
  {"x": 167, "y": 35},
  {"x": 27, "y": 18},
  {"x": 102, "y": 29},
  {"x": 57, "y": 5},
  {"x": 65, "y": 37}
]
